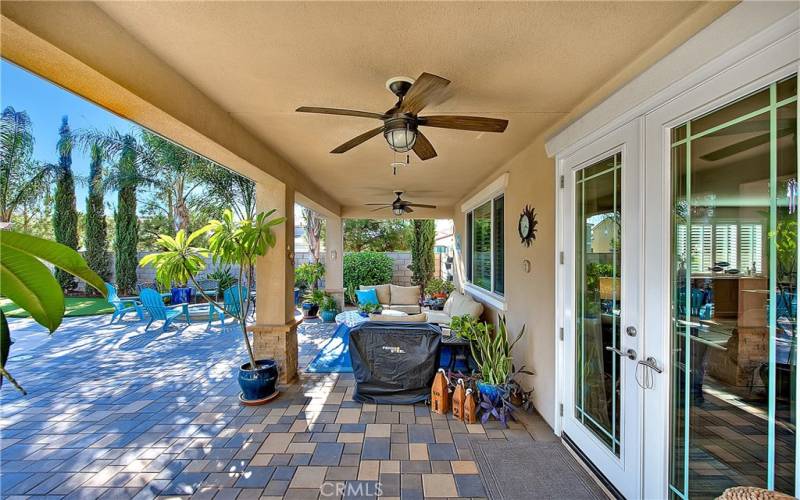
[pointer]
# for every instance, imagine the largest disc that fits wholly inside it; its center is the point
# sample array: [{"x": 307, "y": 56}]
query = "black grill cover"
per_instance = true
[{"x": 394, "y": 363}]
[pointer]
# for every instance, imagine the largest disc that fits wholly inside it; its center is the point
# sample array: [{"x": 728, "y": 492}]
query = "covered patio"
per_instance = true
[{"x": 678, "y": 118}]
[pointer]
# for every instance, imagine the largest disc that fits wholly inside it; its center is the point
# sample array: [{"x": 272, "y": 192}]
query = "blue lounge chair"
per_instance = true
[
  {"x": 122, "y": 306},
  {"x": 231, "y": 297},
  {"x": 154, "y": 305}
]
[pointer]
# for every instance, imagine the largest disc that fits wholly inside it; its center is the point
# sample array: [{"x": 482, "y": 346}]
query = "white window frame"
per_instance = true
[{"x": 490, "y": 193}]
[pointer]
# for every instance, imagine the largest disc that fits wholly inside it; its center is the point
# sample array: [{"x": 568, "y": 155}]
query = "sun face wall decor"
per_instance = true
[{"x": 527, "y": 225}]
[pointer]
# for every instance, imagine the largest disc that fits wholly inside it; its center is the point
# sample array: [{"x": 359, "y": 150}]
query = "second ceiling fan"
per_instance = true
[
  {"x": 399, "y": 206},
  {"x": 401, "y": 123}
]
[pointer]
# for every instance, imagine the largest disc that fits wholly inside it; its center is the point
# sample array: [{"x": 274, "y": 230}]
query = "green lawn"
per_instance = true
[{"x": 76, "y": 306}]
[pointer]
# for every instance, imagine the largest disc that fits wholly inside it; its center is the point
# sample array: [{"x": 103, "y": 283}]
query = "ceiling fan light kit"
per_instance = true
[
  {"x": 401, "y": 122},
  {"x": 400, "y": 133}
]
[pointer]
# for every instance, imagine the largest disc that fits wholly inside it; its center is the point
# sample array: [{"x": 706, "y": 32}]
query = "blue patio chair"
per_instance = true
[
  {"x": 231, "y": 297},
  {"x": 153, "y": 303},
  {"x": 122, "y": 306}
]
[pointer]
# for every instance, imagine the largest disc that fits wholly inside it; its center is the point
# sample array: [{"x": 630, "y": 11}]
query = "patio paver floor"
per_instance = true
[{"x": 116, "y": 412}]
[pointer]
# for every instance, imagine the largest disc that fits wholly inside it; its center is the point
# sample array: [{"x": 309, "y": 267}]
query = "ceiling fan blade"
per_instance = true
[
  {"x": 420, "y": 205},
  {"x": 344, "y": 112},
  {"x": 423, "y": 147},
  {"x": 376, "y": 204},
  {"x": 753, "y": 126},
  {"x": 355, "y": 141},
  {"x": 408, "y": 209},
  {"x": 741, "y": 147},
  {"x": 475, "y": 123},
  {"x": 381, "y": 208},
  {"x": 426, "y": 90}
]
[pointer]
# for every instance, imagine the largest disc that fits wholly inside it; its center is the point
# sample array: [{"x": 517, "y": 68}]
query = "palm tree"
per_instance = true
[
  {"x": 174, "y": 171},
  {"x": 22, "y": 179},
  {"x": 227, "y": 188}
]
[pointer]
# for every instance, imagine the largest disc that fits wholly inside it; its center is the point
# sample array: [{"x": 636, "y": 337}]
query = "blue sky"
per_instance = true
[{"x": 46, "y": 103}]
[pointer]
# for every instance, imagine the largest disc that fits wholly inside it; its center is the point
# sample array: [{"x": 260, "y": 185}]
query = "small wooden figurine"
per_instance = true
[
  {"x": 470, "y": 408},
  {"x": 439, "y": 394},
  {"x": 458, "y": 400}
]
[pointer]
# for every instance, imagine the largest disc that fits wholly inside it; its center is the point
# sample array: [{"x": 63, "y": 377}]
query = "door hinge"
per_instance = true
[
  {"x": 561, "y": 409},
  {"x": 561, "y": 257},
  {"x": 561, "y": 182},
  {"x": 561, "y": 333}
]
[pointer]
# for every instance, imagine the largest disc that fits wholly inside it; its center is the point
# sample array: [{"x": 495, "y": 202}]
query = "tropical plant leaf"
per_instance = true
[
  {"x": 31, "y": 286},
  {"x": 57, "y": 254}
]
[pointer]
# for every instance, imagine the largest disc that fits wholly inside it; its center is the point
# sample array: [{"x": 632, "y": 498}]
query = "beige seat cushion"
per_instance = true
[
  {"x": 405, "y": 295},
  {"x": 411, "y": 318},
  {"x": 382, "y": 291},
  {"x": 409, "y": 309}
]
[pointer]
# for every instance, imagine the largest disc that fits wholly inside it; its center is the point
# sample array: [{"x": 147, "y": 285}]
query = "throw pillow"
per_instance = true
[{"x": 367, "y": 297}]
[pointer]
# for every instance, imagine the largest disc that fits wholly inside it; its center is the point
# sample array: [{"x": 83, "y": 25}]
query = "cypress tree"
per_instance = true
[
  {"x": 65, "y": 213},
  {"x": 126, "y": 237},
  {"x": 96, "y": 231},
  {"x": 422, "y": 261}
]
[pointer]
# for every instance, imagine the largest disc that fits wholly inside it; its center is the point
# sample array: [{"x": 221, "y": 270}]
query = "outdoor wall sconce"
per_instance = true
[
  {"x": 333, "y": 255},
  {"x": 526, "y": 265}
]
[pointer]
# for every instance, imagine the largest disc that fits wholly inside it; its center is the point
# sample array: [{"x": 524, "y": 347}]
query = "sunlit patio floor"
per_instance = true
[{"x": 116, "y": 412}]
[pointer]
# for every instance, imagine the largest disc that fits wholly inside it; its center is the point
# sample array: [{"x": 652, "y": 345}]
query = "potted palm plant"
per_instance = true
[{"x": 235, "y": 243}]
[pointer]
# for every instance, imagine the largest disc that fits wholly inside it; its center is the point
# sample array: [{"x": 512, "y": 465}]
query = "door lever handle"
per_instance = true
[{"x": 630, "y": 353}]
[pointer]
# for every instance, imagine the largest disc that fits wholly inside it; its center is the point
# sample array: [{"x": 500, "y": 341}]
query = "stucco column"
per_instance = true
[
  {"x": 275, "y": 329},
  {"x": 334, "y": 257}
]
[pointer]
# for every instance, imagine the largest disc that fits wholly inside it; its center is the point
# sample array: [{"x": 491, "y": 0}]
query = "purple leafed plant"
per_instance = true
[{"x": 499, "y": 407}]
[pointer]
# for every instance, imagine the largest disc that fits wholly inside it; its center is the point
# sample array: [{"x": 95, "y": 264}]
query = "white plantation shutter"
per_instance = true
[
  {"x": 725, "y": 247},
  {"x": 680, "y": 242},
  {"x": 750, "y": 236},
  {"x": 701, "y": 252}
]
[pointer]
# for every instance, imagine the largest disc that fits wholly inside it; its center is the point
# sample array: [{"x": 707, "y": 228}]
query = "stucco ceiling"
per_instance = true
[{"x": 528, "y": 62}]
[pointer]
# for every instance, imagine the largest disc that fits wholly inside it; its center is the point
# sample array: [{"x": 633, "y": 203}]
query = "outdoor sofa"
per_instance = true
[{"x": 398, "y": 298}]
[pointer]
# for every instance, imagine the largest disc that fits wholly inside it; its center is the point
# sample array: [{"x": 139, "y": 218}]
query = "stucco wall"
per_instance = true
[{"x": 530, "y": 297}]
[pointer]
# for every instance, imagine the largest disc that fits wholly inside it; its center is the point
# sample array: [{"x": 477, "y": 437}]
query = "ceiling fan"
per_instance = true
[
  {"x": 401, "y": 122},
  {"x": 399, "y": 206}
]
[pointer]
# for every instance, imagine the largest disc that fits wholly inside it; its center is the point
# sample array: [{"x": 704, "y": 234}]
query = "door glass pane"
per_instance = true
[
  {"x": 598, "y": 246},
  {"x": 734, "y": 305},
  {"x": 482, "y": 246}
]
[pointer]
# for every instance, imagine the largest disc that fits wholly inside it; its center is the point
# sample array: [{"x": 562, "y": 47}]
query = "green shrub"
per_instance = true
[
  {"x": 367, "y": 268},
  {"x": 438, "y": 285}
]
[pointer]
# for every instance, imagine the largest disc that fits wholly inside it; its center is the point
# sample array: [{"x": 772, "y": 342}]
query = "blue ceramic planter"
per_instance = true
[
  {"x": 260, "y": 383},
  {"x": 328, "y": 316},
  {"x": 181, "y": 295},
  {"x": 494, "y": 392}
]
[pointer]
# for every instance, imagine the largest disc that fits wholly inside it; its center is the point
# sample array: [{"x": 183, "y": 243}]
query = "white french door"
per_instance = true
[{"x": 601, "y": 303}]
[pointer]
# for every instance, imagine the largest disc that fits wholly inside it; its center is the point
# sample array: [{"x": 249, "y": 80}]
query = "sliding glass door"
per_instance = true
[{"x": 734, "y": 296}]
